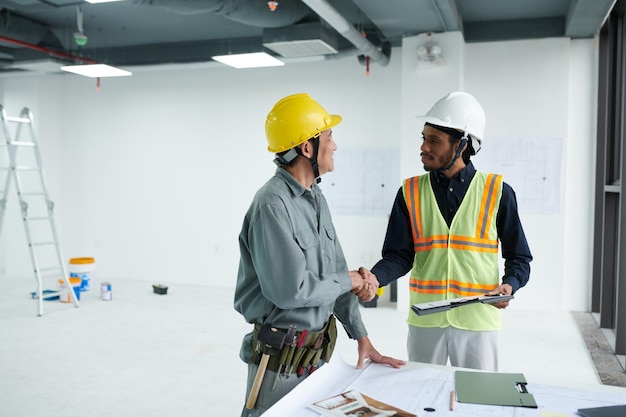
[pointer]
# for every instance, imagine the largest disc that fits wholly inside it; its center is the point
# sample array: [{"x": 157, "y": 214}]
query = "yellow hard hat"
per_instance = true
[{"x": 294, "y": 120}]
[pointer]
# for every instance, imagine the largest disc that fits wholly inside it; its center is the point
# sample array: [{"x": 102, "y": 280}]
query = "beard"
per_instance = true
[{"x": 436, "y": 163}]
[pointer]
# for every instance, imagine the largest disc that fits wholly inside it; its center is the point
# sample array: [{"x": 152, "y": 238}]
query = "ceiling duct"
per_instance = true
[
  {"x": 345, "y": 29},
  {"x": 13, "y": 26},
  {"x": 297, "y": 41},
  {"x": 16, "y": 33},
  {"x": 252, "y": 13},
  {"x": 305, "y": 39}
]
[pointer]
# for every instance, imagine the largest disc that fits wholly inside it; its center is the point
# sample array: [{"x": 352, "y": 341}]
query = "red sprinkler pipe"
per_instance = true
[{"x": 47, "y": 51}]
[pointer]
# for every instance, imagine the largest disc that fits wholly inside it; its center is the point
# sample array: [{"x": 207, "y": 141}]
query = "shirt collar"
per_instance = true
[
  {"x": 296, "y": 188},
  {"x": 463, "y": 175}
]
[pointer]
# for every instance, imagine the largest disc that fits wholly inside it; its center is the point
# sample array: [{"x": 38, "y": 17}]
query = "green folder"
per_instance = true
[{"x": 493, "y": 389}]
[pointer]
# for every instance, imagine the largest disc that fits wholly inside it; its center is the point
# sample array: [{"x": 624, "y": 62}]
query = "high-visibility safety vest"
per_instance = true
[{"x": 456, "y": 261}]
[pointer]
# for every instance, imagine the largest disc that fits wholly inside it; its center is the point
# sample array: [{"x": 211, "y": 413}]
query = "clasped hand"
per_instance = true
[{"x": 364, "y": 284}]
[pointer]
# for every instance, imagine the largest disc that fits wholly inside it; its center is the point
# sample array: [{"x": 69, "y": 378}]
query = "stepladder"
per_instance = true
[{"x": 21, "y": 166}]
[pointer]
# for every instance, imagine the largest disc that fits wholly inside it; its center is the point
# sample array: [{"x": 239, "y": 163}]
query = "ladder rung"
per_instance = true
[
  {"x": 54, "y": 277},
  {"x": 26, "y": 168},
  {"x": 17, "y": 119},
  {"x": 49, "y": 269},
  {"x": 32, "y": 193},
  {"x": 37, "y": 218},
  {"x": 43, "y": 243},
  {"x": 22, "y": 143}
]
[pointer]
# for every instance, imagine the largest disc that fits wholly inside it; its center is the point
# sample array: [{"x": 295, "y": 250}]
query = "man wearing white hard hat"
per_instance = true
[{"x": 446, "y": 227}]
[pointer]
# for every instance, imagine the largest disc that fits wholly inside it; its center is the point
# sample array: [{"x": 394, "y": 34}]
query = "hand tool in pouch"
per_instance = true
[
  {"x": 271, "y": 340},
  {"x": 310, "y": 354},
  {"x": 292, "y": 347},
  {"x": 289, "y": 339},
  {"x": 318, "y": 353},
  {"x": 299, "y": 352}
]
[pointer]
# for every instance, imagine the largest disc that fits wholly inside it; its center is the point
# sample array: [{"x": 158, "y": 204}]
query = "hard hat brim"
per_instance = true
[
  {"x": 335, "y": 119},
  {"x": 438, "y": 122}
]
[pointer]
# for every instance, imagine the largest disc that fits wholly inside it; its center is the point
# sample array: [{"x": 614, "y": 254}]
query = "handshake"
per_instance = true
[{"x": 364, "y": 284}]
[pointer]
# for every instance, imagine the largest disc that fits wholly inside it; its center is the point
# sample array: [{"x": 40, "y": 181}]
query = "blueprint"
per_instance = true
[
  {"x": 425, "y": 390},
  {"x": 364, "y": 183},
  {"x": 532, "y": 166}
]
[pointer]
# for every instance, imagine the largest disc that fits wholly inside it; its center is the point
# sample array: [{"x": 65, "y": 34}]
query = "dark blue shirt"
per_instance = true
[{"x": 398, "y": 253}]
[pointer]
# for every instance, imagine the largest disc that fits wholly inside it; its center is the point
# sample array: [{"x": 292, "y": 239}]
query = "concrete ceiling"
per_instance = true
[{"x": 36, "y": 35}]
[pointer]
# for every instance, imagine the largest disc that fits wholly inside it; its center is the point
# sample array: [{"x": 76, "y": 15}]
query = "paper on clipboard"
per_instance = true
[{"x": 443, "y": 305}]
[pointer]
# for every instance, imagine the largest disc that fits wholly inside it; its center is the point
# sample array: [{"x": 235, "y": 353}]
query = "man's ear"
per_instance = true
[{"x": 307, "y": 149}]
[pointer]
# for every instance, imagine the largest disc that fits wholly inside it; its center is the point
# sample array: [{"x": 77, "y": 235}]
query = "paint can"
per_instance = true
[
  {"x": 85, "y": 269},
  {"x": 64, "y": 295},
  {"x": 105, "y": 291}
]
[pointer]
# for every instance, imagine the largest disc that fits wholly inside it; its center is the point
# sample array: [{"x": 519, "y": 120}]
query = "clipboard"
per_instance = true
[
  {"x": 443, "y": 305},
  {"x": 491, "y": 388}
]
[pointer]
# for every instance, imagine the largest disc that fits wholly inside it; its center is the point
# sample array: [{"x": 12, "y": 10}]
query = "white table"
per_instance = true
[{"x": 417, "y": 386}]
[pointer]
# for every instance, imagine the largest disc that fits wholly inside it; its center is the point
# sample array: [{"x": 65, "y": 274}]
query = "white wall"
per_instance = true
[
  {"x": 546, "y": 89},
  {"x": 153, "y": 173},
  {"x": 158, "y": 169}
]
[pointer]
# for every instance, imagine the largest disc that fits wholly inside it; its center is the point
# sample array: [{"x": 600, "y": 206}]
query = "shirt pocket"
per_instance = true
[
  {"x": 329, "y": 247},
  {"x": 330, "y": 232},
  {"x": 308, "y": 241}
]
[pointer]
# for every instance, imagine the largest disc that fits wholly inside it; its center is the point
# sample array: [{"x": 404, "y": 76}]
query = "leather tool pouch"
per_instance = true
[
  {"x": 330, "y": 338},
  {"x": 325, "y": 352}
]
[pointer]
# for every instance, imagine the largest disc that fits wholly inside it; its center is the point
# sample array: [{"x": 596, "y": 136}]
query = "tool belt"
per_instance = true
[{"x": 316, "y": 346}]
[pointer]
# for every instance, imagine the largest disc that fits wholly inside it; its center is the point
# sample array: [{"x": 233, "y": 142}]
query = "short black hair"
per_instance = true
[
  {"x": 453, "y": 133},
  {"x": 455, "y": 136}
]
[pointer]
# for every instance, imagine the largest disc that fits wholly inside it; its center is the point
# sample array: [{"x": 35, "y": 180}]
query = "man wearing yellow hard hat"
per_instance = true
[{"x": 293, "y": 278}]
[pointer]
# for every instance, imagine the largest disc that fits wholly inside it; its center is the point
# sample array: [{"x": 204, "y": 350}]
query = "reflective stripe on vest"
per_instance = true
[
  {"x": 456, "y": 261},
  {"x": 479, "y": 242}
]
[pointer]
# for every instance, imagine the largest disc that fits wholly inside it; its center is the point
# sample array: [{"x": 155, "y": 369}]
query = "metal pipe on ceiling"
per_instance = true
[{"x": 48, "y": 51}]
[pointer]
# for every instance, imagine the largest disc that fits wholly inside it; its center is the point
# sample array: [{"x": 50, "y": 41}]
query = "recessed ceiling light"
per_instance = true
[
  {"x": 96, "y": 70},
  {"x": 252, "y": 60}
]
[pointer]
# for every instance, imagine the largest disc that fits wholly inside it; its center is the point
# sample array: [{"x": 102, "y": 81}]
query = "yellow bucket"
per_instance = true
[{"x": 85, "y": 269}]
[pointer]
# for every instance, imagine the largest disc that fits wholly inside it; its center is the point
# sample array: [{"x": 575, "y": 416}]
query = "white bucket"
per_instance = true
[
  {"x": 64, "y": 294},
  {"x": 85, "y": 269}
]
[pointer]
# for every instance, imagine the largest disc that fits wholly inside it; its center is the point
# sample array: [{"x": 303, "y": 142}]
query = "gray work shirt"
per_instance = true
[{"x": 292, "y": 269}]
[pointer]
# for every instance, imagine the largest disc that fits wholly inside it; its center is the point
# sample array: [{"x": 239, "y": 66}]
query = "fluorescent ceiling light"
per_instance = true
[
  {"x": 252, "y": 60},
  {"x": 96, "y": 70},
  {"x": 101, "y": 1}
]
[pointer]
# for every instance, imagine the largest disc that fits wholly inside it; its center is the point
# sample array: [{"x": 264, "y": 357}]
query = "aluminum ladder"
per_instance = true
[{"x": 26, "y": 171}]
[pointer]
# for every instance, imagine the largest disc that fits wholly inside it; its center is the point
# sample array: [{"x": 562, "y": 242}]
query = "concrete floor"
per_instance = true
[
  {"x": 608, "y": 366},
  {"x": 143, "y": 354}
]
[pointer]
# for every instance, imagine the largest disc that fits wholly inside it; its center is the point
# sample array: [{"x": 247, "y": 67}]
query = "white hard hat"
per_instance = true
[{"x": 461, "y": 111}]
